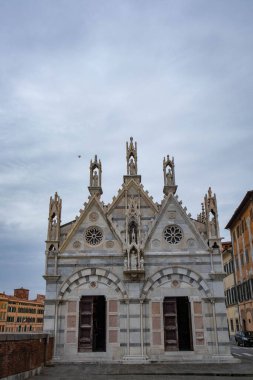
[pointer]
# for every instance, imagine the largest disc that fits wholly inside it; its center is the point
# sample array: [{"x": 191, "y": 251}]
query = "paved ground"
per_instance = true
[
  {"x": 146, "y": 372},
  {"x": 168, "y": 371},
  {"x": 243, "y": 353}
]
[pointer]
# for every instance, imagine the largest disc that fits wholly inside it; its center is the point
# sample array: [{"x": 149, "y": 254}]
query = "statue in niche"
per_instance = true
[
  {"x": 169, "y": 177},
  {"x": 133, "y": 233},
  {"x": 133, "y": 237},
  {"x": 142, "y": 262},
  {"x": 213, "y": 227},
  {"x": 95, "y": 179},
  {"x": 125, "y": 262},
  {"x": 132, "y": 168},
  {"x": 53, "y": 230},
  {"x": 51, "y": 248},
  {"x": 134, "y": 260}
]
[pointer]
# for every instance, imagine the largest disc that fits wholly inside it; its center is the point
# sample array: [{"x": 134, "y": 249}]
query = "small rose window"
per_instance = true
[
  {"x": 93, "y": 235},
  {"x": 173, "y": 234}
]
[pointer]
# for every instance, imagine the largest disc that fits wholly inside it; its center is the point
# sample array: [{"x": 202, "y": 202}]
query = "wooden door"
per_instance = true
[
  {"x": 86, "y": 324},
  {"x": 170, "y": 324}
]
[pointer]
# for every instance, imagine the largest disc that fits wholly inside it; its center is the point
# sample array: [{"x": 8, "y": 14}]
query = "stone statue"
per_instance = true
[
  {"x": 132, "y": 168},
  {"x": 125, "y": 262},
  {"x": 169, "y": 178},
  {"x": 213, "y": 227},
  {"x": 133, "y": 260},
  {"x": 133, "y": 236},
  {"x": 53, "y": 230},
  {"x": 95, "y": 179}
]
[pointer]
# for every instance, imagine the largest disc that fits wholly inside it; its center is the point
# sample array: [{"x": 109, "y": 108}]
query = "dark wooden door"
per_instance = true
[
  {"x": 86, "y": 324},
  {"x": 170, "y": 324}
]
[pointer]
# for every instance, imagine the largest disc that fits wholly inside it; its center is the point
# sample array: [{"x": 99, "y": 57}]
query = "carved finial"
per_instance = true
[
  {"x": 202, "y": 212},
  {"x": 210, "y": 217},
  {"x": 131, "y": 157},
  {"x": 169, "y": 175},
  {"x": 95, "y": 177},
  {"x": 54, "y": 221}
]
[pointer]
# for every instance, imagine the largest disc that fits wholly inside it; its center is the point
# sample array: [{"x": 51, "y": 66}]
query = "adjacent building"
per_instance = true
[
  {"x": 233, "y": 315},
  {"x": 241, "y": 230},
  {"x": 136, "y": 279},
  {"x": 19, "y": 314}
]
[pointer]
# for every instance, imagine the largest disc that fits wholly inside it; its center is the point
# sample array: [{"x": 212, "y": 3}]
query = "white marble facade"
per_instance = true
[{"x": 150, "y": 268}]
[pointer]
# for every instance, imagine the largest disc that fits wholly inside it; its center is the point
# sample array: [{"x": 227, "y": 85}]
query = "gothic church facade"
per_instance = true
[{"x": 135, "y": 280}]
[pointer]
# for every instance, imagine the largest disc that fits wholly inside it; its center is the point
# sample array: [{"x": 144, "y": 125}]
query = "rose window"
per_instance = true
[
  {"x": 172, "y": 234},
  {"x": 93, "y": 235}
]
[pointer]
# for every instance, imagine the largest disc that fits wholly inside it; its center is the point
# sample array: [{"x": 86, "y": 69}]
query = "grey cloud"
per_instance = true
[{"x": 81, "y": 78}]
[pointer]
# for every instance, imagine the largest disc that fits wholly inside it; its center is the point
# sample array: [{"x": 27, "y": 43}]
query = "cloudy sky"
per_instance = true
[{"x": 80, "y": 77}]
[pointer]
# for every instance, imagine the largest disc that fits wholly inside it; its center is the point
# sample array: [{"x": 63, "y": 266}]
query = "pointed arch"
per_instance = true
[
  {"x": 84, "y": 276},
  {"x": 185, "y": 275}
]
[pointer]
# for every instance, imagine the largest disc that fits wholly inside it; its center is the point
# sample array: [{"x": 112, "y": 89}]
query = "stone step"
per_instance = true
[{"x": 83, "y": 371}]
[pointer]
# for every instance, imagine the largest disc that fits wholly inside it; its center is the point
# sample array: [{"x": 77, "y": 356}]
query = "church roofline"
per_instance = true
[{"x": 68, "y": 223}]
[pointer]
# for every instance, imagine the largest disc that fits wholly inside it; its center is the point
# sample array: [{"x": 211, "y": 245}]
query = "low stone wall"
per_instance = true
[{"x": 23, "y": 355}]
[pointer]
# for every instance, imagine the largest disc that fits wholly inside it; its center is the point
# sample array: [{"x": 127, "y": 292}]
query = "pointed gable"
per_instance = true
[
  {"x": 119, "y": 208},
  {"x": 91, "y": 231},
  {"x": 173, "y": 229}
]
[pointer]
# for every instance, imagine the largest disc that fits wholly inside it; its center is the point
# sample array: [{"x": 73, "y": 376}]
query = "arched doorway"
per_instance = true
[
  {"x": 92, "y": 324},
  {"x": 177, "y": 324}
]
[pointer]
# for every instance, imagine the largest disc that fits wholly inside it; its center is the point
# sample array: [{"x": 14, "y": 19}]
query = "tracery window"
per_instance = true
[
  {"x": 93, "y": 235},
  {"x": 173, "y": 234}
]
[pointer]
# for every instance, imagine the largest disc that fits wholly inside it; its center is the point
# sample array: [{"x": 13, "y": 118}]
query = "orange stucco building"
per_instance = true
[
  {"x": 230, "y": 288},
  {"x": 19, "y": 314},
  {"x": 241, "y": 230}
]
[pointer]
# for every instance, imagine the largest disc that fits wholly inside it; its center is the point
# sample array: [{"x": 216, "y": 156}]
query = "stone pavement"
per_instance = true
[{"x": 100, "y": 371}]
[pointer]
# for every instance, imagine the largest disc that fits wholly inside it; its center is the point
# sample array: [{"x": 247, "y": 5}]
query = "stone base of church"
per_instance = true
[{"x": 118, "y": 356}]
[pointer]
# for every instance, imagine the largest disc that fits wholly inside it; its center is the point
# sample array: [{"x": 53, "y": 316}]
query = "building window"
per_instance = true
[
  {"x": 237, "y": 263},
  {"x": 247, "y": 287},
  {"x": 251, "y": 288},
  {"x": 229, "y": 267},
  {"x": 233, "y": 295},
  {"x": 231, "y": 325},
  {"x": 173, "y": 234},
  {"x": 93, "y": 235},
  {"x": 246, "y": 256},
  {"x": 237, "y": 324},
  {"x": 251, "y": 215}
]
